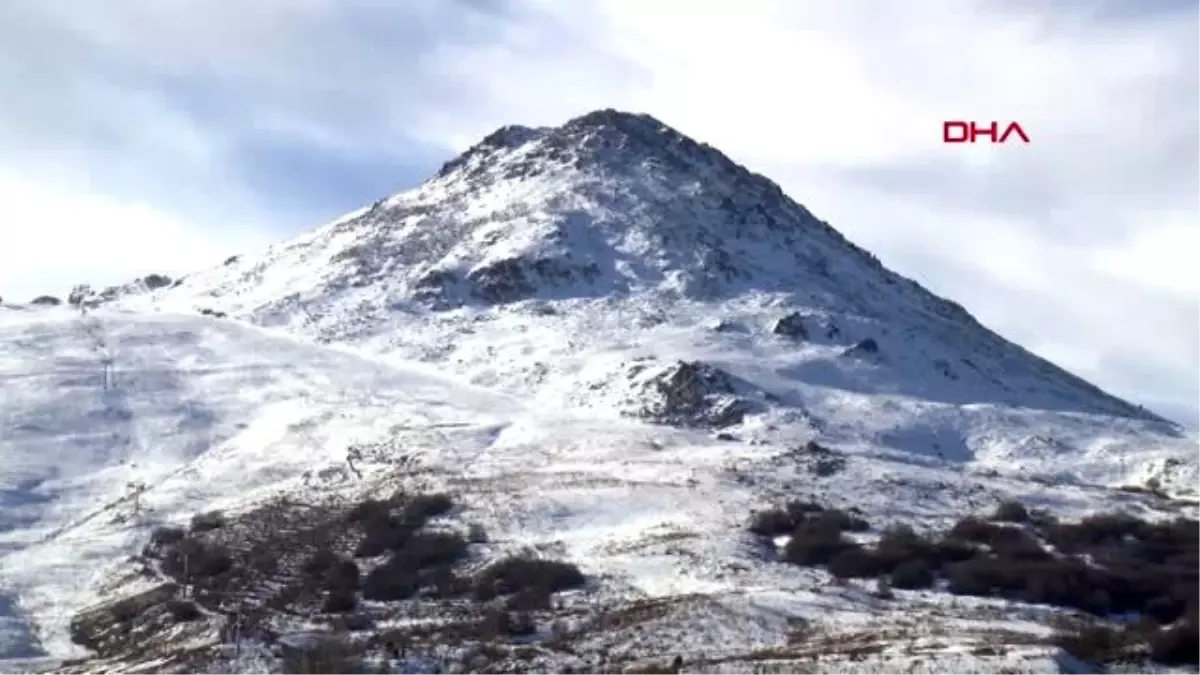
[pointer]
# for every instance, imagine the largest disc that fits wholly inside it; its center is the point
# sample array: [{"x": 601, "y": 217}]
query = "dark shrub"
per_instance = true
[
  {"x": 167, "y": 535},
  {"x": 320, "y": 562},
  {"x": 854, "y": 563},
  {"x": 215, "y": 562},
  {"x": 476, "y": 534},
  {"x": 339, "y": 601},
  {"x": 947, "y": 551},
  {"x": 498, "y": 623},
  {"x": 1068, "y": 583},
  {"x": 974, "y": 529},
  {"x": 183, "y": 610},
  {"x": 912, "y": 574},
  {"x": 383, "y": 535},
  {"x": 1011, "y": 512},
  {"x": 1177, "y": 645},
  {"x": 204, "y": 522},
  {"x": 900, "y": 543},
  {"x": 46, "y": 300},
  {"x": 842, "y": 520},
  {"x": 512, "y": 575},
  {"x": 522, "y": 624},
  {"x": 424, "y": 507},
  {"x": 1012, "y": 543},
  {"x": 343, "y": 575},
  {"x": 452, "y": 586},
  {"x": 369, "y": 510},
  {"x": 442, "y": 582},
  {"x": 428, "y": 549},
  {"x": 800, "y": 509},
  {"x": 193, "y": 559},
  {"x": 815, "y": 544},
  {"x": 330, "y": 655},
  {"x": 771, "y": 523},
  {"x": 1105, "y": 564},
  {"x": 354, "y": 622},
  {"x": 1168, "y": 608},
  {"x": 1095, "y": 643},
  {"x": 263, "y": 559},
  {"x": 389, "y": 582},
  {"x": 1096, "y": 530},
  {"x": 969, "y": 577},
  {"x": 530, "y": 599},
  {"x": 177, "y": 561}
]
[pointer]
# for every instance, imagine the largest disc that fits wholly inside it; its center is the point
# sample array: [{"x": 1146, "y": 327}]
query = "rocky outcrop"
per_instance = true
[
  {"x": 695, "y": 394},
  {"x": 791, "y": 326},
  {"x": 133, "y": 626},
  {"x": 862, "y": 348},
  {"x": 514, "y": 279},
  {"x": 156, "y": 281}
]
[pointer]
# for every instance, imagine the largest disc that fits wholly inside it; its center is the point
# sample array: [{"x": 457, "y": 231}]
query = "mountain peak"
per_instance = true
[
  {"x": 609, "y": 119},
  {"x": 615, "y": 214},
  {"x": 608, "y": 141}
]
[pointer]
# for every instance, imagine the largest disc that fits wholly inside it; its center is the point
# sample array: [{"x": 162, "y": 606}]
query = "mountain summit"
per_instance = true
[{"x": 618, "y": 215}]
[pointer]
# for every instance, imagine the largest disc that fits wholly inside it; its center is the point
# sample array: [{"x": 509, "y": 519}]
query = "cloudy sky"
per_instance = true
[{"x": 162, "y": 135}]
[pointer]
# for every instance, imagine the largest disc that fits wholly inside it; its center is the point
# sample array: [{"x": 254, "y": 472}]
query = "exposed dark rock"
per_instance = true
[
  {"x": 501, "y": 281},
  {"x": 695, "y": 394},
  {"x": 46, "y": 300},
  {"x": 791, "y": 326},
  {"x": 113, "y": 626},
  {"x": 79, "y": 295},
  {"x": 727, "y": 326},
  {"x": 156, "y": 281},
  {"x": 515, "y": 279},
  {"x": 863, "y": 347}
]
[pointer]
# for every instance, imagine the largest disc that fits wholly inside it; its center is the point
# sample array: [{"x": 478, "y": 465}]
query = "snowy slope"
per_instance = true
[
  {"x": 204, "y": 413},
  {"x": 550, "y": 263},
  {"x": 215, "y": 414},
  {"x": 607, "y": 338}
]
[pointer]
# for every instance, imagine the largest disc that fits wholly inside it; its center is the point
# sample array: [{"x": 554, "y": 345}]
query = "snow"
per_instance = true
[
  {"x": 204, "y": 413},
  {"x": 526, "y": 408}
]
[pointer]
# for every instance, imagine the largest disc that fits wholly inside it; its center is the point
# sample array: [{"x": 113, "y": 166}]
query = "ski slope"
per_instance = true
[
  {"x": 203, "y": 413},
  {"x": 210, "y": 413}
]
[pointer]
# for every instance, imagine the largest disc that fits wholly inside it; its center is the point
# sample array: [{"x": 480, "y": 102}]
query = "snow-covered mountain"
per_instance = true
[
  {"x": 604, "y": 336},
  {"x": 579, "y": 264},
  {"x": 619, "y": 215}
]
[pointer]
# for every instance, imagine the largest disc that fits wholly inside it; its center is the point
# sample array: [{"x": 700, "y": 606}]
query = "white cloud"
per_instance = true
[
  {"x": 1077, "y": 245},
  {"x": 55, "y": 238},
  {"x": 1163, "y": 254}
]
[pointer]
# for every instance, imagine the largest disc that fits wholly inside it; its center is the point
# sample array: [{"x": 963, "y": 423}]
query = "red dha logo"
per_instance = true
[{"x": 967, "y": 132}]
